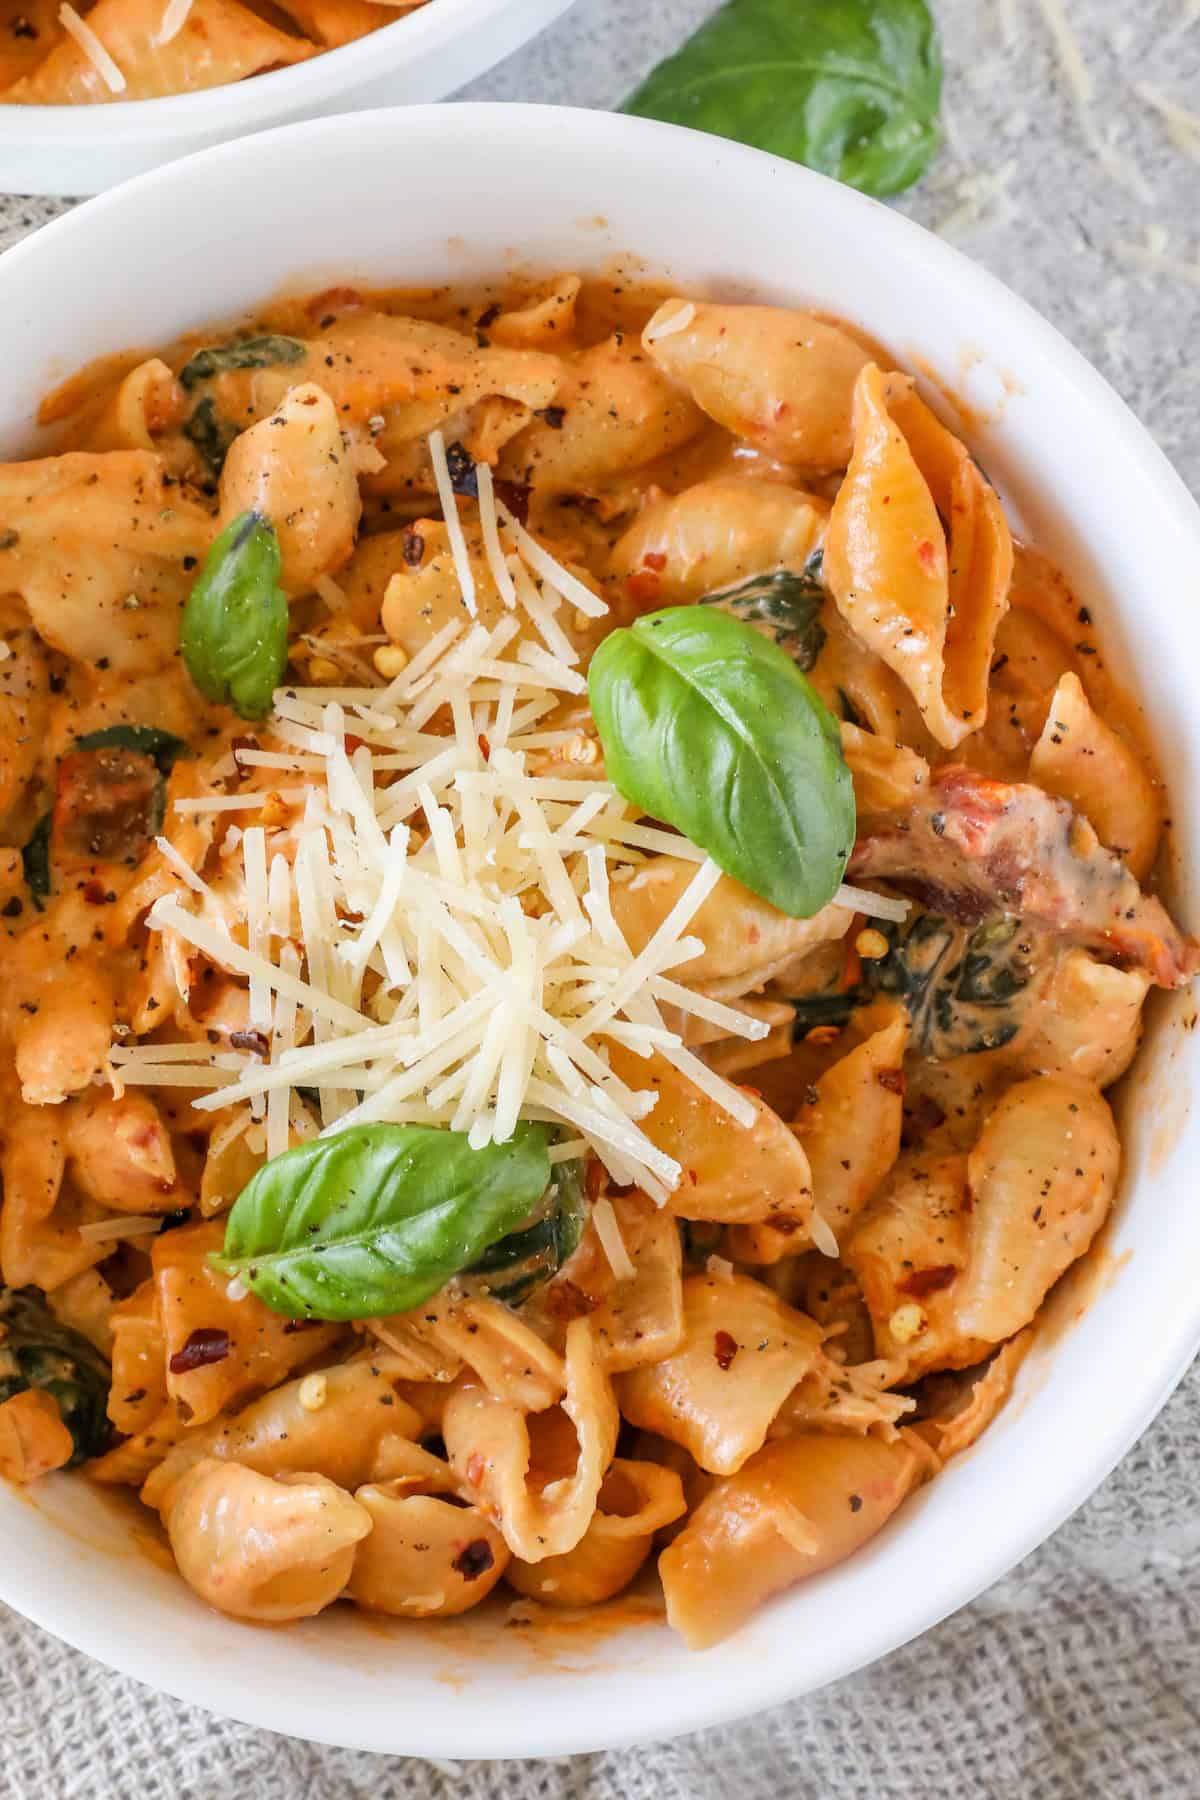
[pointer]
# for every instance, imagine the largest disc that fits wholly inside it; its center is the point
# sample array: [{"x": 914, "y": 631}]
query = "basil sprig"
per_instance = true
[
  {"x": 375, "y": 1218},
  {"x": 849, "y": 87},
  {"x": 234, "y": 634},
  {"x": 711, "y": 727}
]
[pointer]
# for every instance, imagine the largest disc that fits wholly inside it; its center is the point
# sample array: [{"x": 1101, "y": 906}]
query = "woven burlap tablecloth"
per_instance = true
[{"x": 1078, "y": 1676}]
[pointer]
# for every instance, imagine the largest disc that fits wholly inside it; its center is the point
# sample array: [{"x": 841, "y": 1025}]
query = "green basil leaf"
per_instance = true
[
  {"x": 246, "y": 353},
  {"x": 785, "y": 604},
  {"x": 234, "y": 634},
  {"x": 35, "y": 860},
  {"x": 210, "y": 433},
  {"x": 709, "y": 726},
  {"x": 518, "y": 1263},
  {"x": 375, "y": 1218},
  {"x": 163, "y": 747},
  {"x": 849, "y": 87},
  {"x": 38, "y": 1351}
]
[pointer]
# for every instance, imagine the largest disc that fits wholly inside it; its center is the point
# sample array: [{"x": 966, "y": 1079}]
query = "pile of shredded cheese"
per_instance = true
[{"x": 431, "y": 940}]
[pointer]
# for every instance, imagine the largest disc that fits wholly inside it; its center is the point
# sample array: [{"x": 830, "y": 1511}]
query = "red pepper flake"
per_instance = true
[
  {"x": 207, "y": 1344},
  {"x": 919, "y": 1120},
  {"x": 254, "y": 1041},
  {"x": 515, "y": 495},
  {"x": 725, "y": 1348},
  {"x": 593, "y": 1180},
  {"x": 93, "y": 892},
  {"x": 891, "y": 1079},
  {"x": 643, "y": 587},
  {"x": 476, "y": 1469},
  {"x": 927, "y": 555},
  {"x": 485, "y": 745},
  {"x": 413, "y": 547},
  {"x": 927, "y": 1281},
  {"x": 475, "y": 1560},
  {"x": 238, "y": 744},
  {"x": 353, "y": 742},
  {"x": 566, "y": 1300},
  {"x": 654, "y": 559}
]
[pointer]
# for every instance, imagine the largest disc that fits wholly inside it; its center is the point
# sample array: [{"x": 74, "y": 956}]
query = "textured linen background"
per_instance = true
[{"x": 1077, "y": 1677}]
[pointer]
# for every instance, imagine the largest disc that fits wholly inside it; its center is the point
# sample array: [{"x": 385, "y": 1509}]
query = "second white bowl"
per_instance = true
[{"x": 421, "y": 56}]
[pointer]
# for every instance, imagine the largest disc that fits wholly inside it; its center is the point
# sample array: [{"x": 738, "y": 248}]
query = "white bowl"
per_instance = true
[
  {"x": 429, "y": 53},
  {"x": 506, "y": 185}
]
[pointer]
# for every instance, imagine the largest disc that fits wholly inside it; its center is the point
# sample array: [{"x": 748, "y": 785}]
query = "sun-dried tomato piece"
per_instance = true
[{"x": 105, "y": 806}]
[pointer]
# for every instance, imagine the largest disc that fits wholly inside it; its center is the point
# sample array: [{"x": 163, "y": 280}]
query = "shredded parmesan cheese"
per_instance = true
[
  {"x": 822, "y": 1235},
  {"x": 608, "y": 1230},
  {"x": 678, "y": 321},
  {"x": 424, "y": 927},
  {"x": 1117, "y": 167},
  {"x": 175, "y": 17},
  {"x": 875, "y": 906},
  {"x": 92, "y": 48},
  {"x": 1150, "y": 256},
  {"x": 128, "y": 1225},
  {"x": 454, "y": 530},
  {"x": 1183, "y": 127}
]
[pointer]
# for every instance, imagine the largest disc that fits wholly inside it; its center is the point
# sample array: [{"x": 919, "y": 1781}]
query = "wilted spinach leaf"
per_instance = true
[
  {"x": 518, "y": 1263},
  {"x": 244, "y": 353},
  {"x": 849, "y": 87},
  {"x": 38, "y": 1351},
  {"x": 959, "y": 985},
  {"x": 788, "y": 604},
  {"x": 163, "y": 747},
  {"x": 35, "y": 860},
  {"x": 210, "y": 433}
]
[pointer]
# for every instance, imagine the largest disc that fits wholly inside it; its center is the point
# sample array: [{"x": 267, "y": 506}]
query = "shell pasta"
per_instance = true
[{"x": 570, "y": 897}]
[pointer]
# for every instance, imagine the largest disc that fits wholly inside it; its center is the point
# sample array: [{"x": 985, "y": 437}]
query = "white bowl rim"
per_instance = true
[
  {"x": 235, "y": 106},
  {"x": 1145, "y": 469}
]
